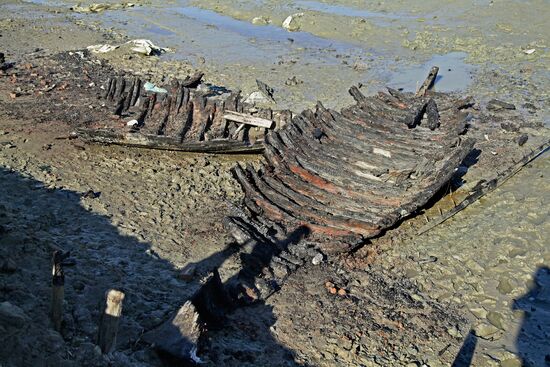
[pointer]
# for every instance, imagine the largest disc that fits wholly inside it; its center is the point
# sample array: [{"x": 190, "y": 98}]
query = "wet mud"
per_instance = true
[{"x": 473, "y": 290}]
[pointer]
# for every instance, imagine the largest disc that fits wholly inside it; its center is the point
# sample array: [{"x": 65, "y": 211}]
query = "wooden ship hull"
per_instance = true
[
  {"x": 347, "y": 176},
  {"x": 182, "y": 119}
]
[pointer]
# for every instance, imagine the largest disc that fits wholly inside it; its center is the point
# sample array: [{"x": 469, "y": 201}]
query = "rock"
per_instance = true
[
  {"x": 486, "y": 331},
  {"x": 11, "y": 315},
  {"x": 188, "y": 272},
  {"x": 496, "y": 105},
  {"x": 291, "y": 23},
  {"x": 342, "y": 292},
  {"x": 504, "y": 286},
  {"x": 293, "y": 81},
  {"x": 317, "y": 259},
  {"x": 509, "y": 126},
  {"x": 522, "y": 139},
  {"x": 480, "y": 312},
  {"x": 496, "y": 319},
  {"x": 261, "y": 20},
  {"x": 179, "y": 336}
]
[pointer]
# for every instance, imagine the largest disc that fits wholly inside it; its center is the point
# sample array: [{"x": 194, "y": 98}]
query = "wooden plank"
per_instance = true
[{"x": 248, "y": 120}]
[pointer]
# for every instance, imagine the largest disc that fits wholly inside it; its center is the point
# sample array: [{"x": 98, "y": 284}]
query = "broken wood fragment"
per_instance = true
[
  {"x": 248, "y": 119},
  {"x": 428, "y": 83}
]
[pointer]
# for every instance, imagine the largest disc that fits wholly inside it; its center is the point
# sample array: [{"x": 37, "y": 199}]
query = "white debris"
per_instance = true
[
  {"x": 132, "y": 123},
  {"x": 141, "y": 46},
  {"x": 256, "y": 97},
  {"x": 291, "y": 23},
  {"x": 150, "y": 87},
  {"x": 96, "y": 8},
  {"x": 317, "y": 259},
  {"x": 101, "y": 49},
  {"x": 261, "y": 20},
  {"x": 146, "y": 47},
  {"x": 530, "y": 51}
]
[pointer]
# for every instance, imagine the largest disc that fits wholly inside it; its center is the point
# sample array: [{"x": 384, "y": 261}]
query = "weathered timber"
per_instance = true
[
  {"x": 347, "y": 176},
  {"x": 132, "y": 139},
  {"x": 248, "y": 119},
  {"x": 428, "y": 83},
  {"x": 183, "y": 119},
  {"x": 58, "y": 291},
  {"x": 110, "y": 318}
]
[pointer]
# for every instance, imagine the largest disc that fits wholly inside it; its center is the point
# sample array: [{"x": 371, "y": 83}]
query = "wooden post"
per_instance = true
[
  {"x": 58, "y": 290},
  {"x": 108, "y": 325}
]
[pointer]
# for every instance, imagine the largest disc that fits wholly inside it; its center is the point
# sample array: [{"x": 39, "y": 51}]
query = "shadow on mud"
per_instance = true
[
  {"x": 35, "y": 221},
  {"x": 532, "y": 341}
]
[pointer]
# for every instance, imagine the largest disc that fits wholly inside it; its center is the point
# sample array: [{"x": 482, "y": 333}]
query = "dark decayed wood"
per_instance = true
[{"x": 347, "y": 176}]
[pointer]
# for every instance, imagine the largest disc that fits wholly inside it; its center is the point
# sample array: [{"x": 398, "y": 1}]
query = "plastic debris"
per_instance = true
[
  {"x": 96, "y": 8},
  {"x": 150, "y": 87},
  {"x": 530, "y": 51},
  {"x": 132, "y": 123}
]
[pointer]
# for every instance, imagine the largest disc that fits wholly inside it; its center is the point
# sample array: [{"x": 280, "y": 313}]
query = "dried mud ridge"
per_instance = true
[{"x": 372, "y": 312}]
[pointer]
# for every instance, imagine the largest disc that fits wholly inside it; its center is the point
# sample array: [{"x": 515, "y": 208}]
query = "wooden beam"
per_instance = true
[
  {"x": 428, "y": 83},
  {"x": 247, "y": 119}
]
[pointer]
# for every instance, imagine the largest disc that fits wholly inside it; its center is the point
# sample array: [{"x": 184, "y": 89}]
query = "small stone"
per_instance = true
[
  {"x": 480, "y": 312},
  {"x": 496, "y": 105},
  {"x": 188, "y": 272},
  {"x": 486, "y": 331},
  {"x": 317, "y": 259},
  {"x": 496, "y": 319},
  {"x": 332, "y": 290},
  {"x": 11, "y": 315},
  {"x": 341, "y": 292},
  {"x": 504, "y": 286},
  {"x": 522, "y": 139}
]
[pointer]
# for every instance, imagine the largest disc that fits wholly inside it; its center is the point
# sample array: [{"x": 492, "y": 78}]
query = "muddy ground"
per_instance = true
[{"x": 155, "y": 212}]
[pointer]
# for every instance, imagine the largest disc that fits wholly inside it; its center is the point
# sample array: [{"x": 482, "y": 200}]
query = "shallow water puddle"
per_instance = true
[
  {"x": 454, "y": 74},
  {"x": 351, "y": 12}
]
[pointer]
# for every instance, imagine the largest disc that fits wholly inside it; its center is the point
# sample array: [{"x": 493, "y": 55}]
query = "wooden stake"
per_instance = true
[
  {"x": 58, "y": 290},
  {"x": 108, "y": 327}
]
